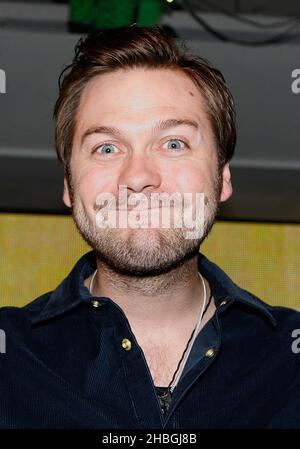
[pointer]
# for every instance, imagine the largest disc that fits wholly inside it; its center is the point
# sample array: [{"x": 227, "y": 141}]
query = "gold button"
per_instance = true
[
  {"x": 223, "y": 303},
  {"x": 126, "y": 344},
  {"x": 95, "y": 303},
  {"x": 210, "y": 352}
]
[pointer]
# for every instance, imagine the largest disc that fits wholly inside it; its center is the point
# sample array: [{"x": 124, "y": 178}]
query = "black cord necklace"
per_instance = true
[{"x": 165, "y": 396}]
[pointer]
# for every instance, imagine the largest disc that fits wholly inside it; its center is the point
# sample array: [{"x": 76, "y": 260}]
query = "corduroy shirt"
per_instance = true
[{"x": 65, "y": 364}]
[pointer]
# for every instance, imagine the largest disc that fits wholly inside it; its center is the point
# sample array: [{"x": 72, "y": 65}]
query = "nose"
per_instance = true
[{"x": 139, "y": 174}]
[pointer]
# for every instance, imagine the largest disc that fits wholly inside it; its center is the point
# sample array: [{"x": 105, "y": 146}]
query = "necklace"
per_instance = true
[
  {"x": 92, "y": 280},
  {"x": 165, "y": 396}
]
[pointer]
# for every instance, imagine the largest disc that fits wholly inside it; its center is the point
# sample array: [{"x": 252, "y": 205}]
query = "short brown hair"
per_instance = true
[{"x": 108, "y": 50}]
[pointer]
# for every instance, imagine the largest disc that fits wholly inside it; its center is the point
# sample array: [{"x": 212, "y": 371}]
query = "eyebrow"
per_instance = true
[{"x": 161, "y": 125}]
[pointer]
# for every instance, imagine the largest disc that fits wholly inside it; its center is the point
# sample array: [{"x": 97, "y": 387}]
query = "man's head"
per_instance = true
[{"x": 133, "y": 79}]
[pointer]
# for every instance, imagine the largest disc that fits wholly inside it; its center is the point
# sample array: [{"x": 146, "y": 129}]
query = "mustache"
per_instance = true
[
  {"x": 144, "y": 203},
  {"x": 128, "y": 207}
]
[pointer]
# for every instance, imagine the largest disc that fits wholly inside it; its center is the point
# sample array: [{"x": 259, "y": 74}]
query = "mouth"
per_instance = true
[{"x": 139, "y": 209}]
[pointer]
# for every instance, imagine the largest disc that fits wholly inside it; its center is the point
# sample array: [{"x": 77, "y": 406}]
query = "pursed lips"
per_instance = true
[{"x": 137, "y": 208}]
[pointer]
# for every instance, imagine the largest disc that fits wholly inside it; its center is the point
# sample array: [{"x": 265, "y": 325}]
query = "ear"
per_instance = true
[
  {"x": 66, "y": 194},
  {"x": 227, "y": 190}
]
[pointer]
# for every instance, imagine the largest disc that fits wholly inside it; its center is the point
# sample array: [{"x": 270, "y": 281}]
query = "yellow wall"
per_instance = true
[{"x": 38, "y": 251}]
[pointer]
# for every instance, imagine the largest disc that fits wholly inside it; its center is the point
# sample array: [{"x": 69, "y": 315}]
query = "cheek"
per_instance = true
[
  {"x": 191, "y": 177},
  {"x": 92, "y": 182}
]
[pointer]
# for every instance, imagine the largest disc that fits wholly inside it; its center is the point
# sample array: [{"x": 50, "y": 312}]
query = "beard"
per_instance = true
[{"x": 142, "y": 252}]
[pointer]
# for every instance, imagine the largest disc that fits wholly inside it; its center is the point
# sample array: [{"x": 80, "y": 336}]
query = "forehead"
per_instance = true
[{"x": 138, "y": 95}]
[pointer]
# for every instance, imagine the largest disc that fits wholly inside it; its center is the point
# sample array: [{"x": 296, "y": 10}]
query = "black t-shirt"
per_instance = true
[{"x": 161, "y": 391}]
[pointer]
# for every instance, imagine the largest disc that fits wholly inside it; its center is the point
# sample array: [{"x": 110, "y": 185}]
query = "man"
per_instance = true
[{"x": 146, "y": 332}]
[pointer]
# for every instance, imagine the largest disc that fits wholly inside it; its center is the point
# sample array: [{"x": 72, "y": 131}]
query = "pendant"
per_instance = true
[{"x": 165, "y": 400}]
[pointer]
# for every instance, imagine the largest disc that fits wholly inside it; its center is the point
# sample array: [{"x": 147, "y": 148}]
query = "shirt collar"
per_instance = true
[
  {"x": 224, "y": 288},
  {"x": 71, "y": 291}
]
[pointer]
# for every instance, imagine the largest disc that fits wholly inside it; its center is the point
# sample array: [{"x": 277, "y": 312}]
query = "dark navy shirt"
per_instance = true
[{"x": 66, "y": 364}]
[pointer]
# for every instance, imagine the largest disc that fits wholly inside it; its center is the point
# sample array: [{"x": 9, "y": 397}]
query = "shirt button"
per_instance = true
[
  {"x": 223, "y": 303},
  {"x": 95, "y": 303},
  {"x": 126, "y": 344},
  {"x": 210, "y": 353}
]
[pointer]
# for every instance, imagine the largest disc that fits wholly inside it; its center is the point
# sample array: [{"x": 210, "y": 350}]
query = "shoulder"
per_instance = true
[
  {"x": 285, "y": 316},
  {"x": 288, "y": 323},
  {"x": 284, "y": 338},
  {"x": 16, "y": 317}
]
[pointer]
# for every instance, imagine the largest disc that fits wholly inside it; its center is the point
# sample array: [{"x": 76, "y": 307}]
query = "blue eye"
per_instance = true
[
  {"x": 173, "y": 145},
  {"x": 106, "y": 150}
]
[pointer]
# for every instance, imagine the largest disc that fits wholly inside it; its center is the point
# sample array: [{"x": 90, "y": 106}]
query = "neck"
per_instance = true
[{"x": 160, "y": 301}]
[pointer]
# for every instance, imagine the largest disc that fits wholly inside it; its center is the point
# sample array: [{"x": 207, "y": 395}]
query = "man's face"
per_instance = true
[{"x": 146, "y": 160}]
